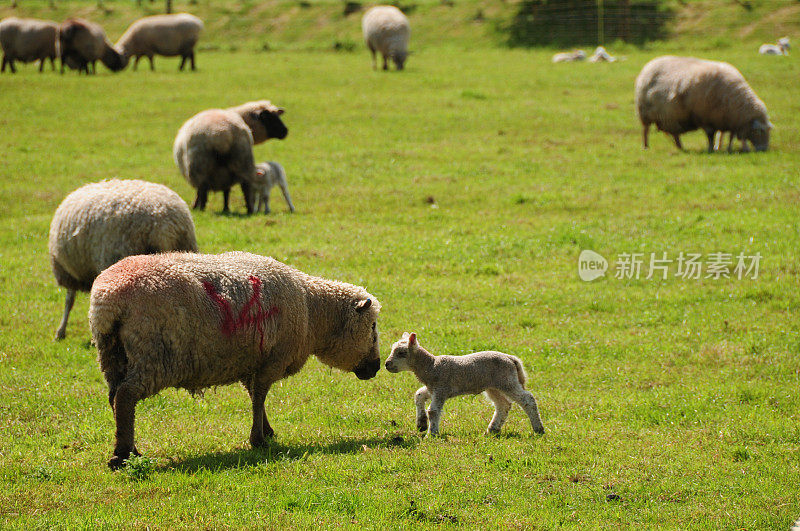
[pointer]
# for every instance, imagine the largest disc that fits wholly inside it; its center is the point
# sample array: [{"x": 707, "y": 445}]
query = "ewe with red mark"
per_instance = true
[{"x": 220, "y": 319}]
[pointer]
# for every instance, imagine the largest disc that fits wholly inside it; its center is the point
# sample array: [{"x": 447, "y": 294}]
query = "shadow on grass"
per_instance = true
[{"x": 276, "y": 451}]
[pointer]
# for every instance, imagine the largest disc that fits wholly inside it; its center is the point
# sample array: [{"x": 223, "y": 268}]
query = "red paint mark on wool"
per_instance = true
[{"x": 246, "y": 317}]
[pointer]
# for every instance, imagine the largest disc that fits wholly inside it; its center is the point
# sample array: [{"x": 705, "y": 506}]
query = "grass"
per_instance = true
[{"x": 460, "y": 193}]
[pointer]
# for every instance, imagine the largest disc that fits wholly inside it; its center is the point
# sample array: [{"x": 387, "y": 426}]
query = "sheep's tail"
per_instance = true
[{"x": 520, "y": 370}]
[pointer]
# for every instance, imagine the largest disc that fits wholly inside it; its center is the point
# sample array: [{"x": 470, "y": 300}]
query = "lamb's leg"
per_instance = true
[
  {"x": 285, "y": 190},
  {"x": 61, "y": 333},
  {"x": 646, "y": 135},
  {"x": 435, "y": 412},
  {"x": 124, "y": 412},
  {"x": 420, "y": 398},
  {"x": 501, "y": 408},
  {"x": 525, "y": 399}
]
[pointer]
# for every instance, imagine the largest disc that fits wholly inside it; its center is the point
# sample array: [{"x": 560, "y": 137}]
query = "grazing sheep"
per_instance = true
[
  {"x": 99, "y": 223},
  {"x": 499, "y": 375},
  {"x": 221, "y": 319},
  {"x": 269, "y": 174},
  {"x": 681, "y": 94},
  {"x": 27, "y": 40},
  {"x": 569, "y": 57},
  {"x": 600, "y": 55},
  {"x": 82, "y": 43},
  {"x": 386, "y": 30},
  {"x": 214, "y": 148},
  {"x": 167, "y": 35},
  {"x": 782, "y": 48}
]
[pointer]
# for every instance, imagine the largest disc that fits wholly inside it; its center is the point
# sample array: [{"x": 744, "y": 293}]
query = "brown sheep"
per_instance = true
[{"x": 82, "y": 43}]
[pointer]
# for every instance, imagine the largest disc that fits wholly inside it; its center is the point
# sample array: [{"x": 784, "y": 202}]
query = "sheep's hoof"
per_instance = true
[
  {"x": 422, "y": 426},
  {"x": 60, "y": 334},
  {"x": 493, "y": 431},
  {"x": 117, "y": 462},
  {"x": 539, "y": 431}
]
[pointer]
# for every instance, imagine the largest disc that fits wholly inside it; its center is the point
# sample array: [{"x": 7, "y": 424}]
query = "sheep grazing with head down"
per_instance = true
[
  {"x": 500, "y": 376},
  {"x": 214, "y": 148},
  {"x": 269, "y": 175},
  {"x": 681, "y": 94},
  {"x": 167, "y": 35},
  {"x": 386, "y": 31},
  {"x": 782, "y": 48},
  {"x": 569, "y": 57},
  {"x": 100, "y": 223},
  {"x": 221, "y": 319},
  {"x": 82, "y": 43},
  {"x": 27, "y": 40}
]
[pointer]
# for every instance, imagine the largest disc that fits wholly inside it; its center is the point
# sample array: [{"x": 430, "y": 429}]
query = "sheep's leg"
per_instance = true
[
  {"x": 730, "y": 143},
  {"x": 152, "y": 66},
  {"x": 265, "y": 199},
  {"x": 501, "y": 408},
  {"x": 422, "y": 395},
  {"x": 374, "y": 58},
  {"x": 52, "y": 64},
  {"x": 94, "y": 68},
  {"x": 183, "y": 62},
  {"x": 5, "y": 62},
  {"x": 710, "y": 134},
  {"x": 124, "y": 413},
  {"x": 226, "y": 196},
  {"x": 646, "y": 135},
  {"x": 61, "y": 333},
  {"x": 435, "y": 412},
  {"x": 201, "y": 199},
  {"x": 136, "y": 62},
  {"x": 191, "y": 60},
  {"x": 677, "y": 139},
  {"x": 41, "y": 65},
  {"x": 385, "y": 63},
  {"x": 13, "y": 67},
  {"x": 528, "y": 403},
  {"x": 261, "y": 429}
]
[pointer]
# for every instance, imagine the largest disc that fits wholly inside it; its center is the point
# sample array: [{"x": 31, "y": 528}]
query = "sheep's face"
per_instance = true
[
  {"x": 399, "y": 358},
  {"x": 400, "y": 60},
  {"x": 758, "y": 134},
  {"x": 271, "y": 119},
  {"x": 356, "y": 349}
]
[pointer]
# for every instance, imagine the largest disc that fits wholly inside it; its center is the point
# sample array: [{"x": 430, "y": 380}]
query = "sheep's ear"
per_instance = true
[
  {"x": 363, "y": 305},
  {"x": 279, "y": 111},
  {"x": 412, "y": 340},
  {"x": 260, "y": 172},
  {"x": 405, "y": 335},
  {"x": 757, "y": 124}
]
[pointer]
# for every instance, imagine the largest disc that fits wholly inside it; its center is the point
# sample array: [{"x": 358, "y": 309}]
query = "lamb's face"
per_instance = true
[
  {"x": 759, "y": 135},
  {"x": 398, "y": 359}
]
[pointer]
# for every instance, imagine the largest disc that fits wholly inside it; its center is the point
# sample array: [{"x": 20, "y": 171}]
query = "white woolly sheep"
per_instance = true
[
  {"x": 167, "y": 35},
  {"x": 268, "y": 175},
  {"x": 214, "y": 148},
  {"x": 600, "y": 55},
  {"x": 500, "y": 376},
  {"x": 99, "y": 223},
  {"x": 82, "y": 43},
  {"x": 569, "y": 57},
  {"x": 681, "y": 94},
  {"x": 221, "y": 319},
  {"x": 386, "y": 30},
  {"x": 782, "y": 48},
  {"x": 27, "y": 40}
]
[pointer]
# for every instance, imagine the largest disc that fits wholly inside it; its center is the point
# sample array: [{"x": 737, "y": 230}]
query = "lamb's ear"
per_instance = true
[
  {"x": 405, "y": 335},
  {"x": 363, "y": 305},
  {"x": 412, "y": 340},
  {"x": 279, "y": 111},
  {"x": 260, "y": 172}
]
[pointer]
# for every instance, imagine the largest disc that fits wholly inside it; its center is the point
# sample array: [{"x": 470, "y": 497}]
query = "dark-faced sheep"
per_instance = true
[
  {"x": 28, "y": 40},
  {"x": 221, "y": 319},
  {"x": 214, "y": 149},
  {"x": 386, "y": 31},
  {"x": 82, "y": 43},
  {"x": 100, "y": 223},
  {"x": 681, "y": 94},
  {"x": 167, "y": 35}
]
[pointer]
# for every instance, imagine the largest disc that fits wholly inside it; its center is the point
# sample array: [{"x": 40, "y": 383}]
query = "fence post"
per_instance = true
[{"x": 600, "y": 23}]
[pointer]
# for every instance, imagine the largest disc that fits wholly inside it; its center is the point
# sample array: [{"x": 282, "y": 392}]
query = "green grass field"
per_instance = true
[{"x": 460, "y": 193}]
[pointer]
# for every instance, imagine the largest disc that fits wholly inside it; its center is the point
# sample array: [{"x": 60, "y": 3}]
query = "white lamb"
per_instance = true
[
  {"x": 782, "y": 48},
  {"x": 268, "y": 175},
  {"x": 569, "y": 57},
  {"x": 500, "y": 376}
]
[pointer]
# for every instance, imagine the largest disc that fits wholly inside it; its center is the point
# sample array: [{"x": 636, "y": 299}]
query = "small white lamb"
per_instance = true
[
  {"x": 269, "y": 174},
  {"x": 500, "y": 376}
]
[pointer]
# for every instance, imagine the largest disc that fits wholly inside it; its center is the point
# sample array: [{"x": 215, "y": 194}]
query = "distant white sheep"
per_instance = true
[
  {"x": 499, "y": 375},
  {"x": 600, "y": 55},
  {"x": 569, "y": 57},
  {"x": 386, "y": 30},
  {"x": 268, "y": 175},
  {"x": 167, "y": 35},
  {"x": 99, "y": 223},
  {"x": 782, "y": 48},
  {"x": 27, "y": 40}
]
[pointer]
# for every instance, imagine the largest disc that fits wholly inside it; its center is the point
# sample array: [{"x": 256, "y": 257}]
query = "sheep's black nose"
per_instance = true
[{"x": 367, "y": 369}]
